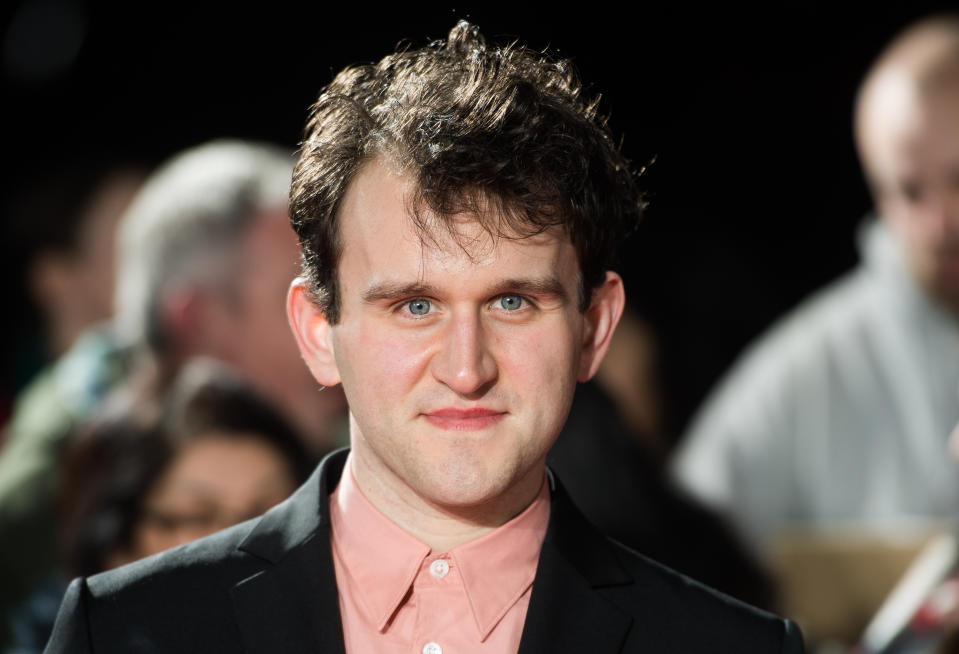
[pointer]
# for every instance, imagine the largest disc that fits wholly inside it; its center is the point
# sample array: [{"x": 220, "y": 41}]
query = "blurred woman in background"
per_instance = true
[{"x": 153, "y": 474}]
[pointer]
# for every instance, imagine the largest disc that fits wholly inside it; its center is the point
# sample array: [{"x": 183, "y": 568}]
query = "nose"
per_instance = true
[{"x": 464, "y": 362}]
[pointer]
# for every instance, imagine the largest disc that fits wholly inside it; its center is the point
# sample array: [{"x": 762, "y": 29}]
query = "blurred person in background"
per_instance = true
[
  {"x": 164, "y": 468},
  {"x": 160, "y": 468},
  {"x": 840, "y": 413},
  {"x": 825, "y": 443},
  {"x": 61, "y": 234},
  {"x": 205, "y": 256},
  {"x": 630, "y": 375},
  {"x": 66, "y": 228}
]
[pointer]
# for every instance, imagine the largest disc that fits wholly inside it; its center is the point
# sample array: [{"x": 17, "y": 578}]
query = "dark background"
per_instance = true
[{"x": 755, "y": 191}]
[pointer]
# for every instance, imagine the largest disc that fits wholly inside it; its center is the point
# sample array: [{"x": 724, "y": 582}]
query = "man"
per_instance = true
[
  {"x": 457, "y": 207},
  {"x": 840, "y": 413}
]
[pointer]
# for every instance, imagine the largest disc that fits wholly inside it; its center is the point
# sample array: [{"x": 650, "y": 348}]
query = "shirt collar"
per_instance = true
[
  {"x": 496, "y": 568},
  {"x": 500, "y": 566}
]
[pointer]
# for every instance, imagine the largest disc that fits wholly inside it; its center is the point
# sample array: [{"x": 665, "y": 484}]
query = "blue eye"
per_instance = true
[
  {"x": 511, "y": 302},
  {"x": 419, "y": 307}
]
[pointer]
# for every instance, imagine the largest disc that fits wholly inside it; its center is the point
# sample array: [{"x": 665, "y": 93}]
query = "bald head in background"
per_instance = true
[{"x": 907, "y": 132}]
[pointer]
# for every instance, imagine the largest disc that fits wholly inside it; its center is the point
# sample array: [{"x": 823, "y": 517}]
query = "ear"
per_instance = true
[
  {"x": 601, "y": 318},
  {"x": 313, "y": 333},
  {"x": 191, "y": 322}
]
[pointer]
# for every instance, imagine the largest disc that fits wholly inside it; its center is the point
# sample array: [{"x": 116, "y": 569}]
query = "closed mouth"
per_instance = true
[{"x": 464, "y": 419}]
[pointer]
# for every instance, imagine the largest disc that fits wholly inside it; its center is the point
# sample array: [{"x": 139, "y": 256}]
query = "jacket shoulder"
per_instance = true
[
  {"x": 196, "y": 597},
  {"x": 681, "y": 614},
  {"x": 178, "y": 600},
  {"x": 210, "y": 559}
]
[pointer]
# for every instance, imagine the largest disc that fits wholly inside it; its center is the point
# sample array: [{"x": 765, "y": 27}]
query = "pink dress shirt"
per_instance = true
[{"x": 397, "y": 595}]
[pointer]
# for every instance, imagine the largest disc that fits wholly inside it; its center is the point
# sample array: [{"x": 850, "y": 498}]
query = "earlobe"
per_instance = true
[
  {"x": 602, "y": 316},
  {"x": 313, "y": 333}
]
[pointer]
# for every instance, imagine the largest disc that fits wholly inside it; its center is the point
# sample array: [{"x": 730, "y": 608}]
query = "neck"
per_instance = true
[{"x": 442, "y": 527}]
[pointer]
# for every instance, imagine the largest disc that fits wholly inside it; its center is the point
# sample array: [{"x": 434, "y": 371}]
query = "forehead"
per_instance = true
[
  {"x": 377, "y": 230},
  {"x": 910, "y": 131},
  {"x": 223, "y": 466}
]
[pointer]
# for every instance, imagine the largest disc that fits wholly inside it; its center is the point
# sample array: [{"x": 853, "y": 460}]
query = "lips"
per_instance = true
[{"x": 472, "y": 419}]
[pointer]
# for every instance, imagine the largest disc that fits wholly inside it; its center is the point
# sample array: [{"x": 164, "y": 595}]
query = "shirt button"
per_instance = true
[
  {"x": 432, "y": 648},
  {"x": 438, "y": 569}
]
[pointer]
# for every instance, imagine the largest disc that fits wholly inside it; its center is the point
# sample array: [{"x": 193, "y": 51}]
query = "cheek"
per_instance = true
[
  {"x": 909, "y": 227},
  {"x": 377, "y": 362},
  {"x": 899, "y": 215},
  {"x": 265, "y": 313},
  {"x": 549, "y": 352}
]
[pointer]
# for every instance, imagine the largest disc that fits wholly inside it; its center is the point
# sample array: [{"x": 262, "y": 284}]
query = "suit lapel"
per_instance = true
[
  {"x": 291, "y": 603},
  {"x": 290, "y": 607},
  {"x": 567, "y": 613}
]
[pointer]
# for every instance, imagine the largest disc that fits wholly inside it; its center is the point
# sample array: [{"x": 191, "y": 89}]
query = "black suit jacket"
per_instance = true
[{"x": 268, "y": 585}]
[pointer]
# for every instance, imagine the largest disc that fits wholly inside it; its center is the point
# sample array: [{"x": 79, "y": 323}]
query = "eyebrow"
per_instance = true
[
  {"x": 538, "y": 286},
  {"x": 393, "y": 291}
]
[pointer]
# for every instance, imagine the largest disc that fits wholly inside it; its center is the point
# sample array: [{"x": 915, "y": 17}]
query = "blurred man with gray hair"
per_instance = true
[
  {"x": 206, "y": 256},
  {"x": 841, "y": 413}
]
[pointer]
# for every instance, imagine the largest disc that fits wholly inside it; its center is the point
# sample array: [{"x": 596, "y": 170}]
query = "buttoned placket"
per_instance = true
[{"x": 439, "y": 569}]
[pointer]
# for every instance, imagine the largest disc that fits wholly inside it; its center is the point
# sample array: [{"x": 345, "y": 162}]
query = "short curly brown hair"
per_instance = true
[{"x": 503, "y": 133}]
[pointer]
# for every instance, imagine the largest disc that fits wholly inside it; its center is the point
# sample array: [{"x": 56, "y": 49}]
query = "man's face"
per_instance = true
[
  {"x": 911, "y": 152},
  {"x": 458, "y": 359}
]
